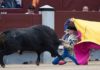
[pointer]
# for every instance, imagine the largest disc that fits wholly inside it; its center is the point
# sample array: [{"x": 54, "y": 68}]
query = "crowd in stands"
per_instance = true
[
  {"x": 10, "y": 4},
  {"x": 30, "y": 9}
]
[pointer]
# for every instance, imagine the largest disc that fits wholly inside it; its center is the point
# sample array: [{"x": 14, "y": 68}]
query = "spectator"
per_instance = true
[
  {"x": 19, "y": 2},
  {"x": 1, "y": 4},
  {"x": 30, "y": 10},
  {"x": 10, "y": 4}
]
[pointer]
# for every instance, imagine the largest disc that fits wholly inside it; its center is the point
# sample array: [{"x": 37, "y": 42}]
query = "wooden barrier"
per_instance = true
[{"x": 9, "y": 21}]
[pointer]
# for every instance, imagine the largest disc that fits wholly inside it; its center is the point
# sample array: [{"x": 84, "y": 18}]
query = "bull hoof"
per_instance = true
[
  {"x": 37, "y": 64},
  {"x": 3, "y": 66},
  {"x": 20, "y": 52}
]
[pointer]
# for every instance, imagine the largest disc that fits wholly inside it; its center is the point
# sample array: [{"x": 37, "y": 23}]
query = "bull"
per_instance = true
[{"x": 38, "y": 38}]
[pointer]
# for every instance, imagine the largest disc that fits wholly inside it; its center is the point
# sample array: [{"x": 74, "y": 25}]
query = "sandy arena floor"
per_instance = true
[{"x": 93, "y": 65}]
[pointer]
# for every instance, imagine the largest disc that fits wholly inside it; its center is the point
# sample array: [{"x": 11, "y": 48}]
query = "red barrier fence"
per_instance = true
[{"x": 8, "y": 21}]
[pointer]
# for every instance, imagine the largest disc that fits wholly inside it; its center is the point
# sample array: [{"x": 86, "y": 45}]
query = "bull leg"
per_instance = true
[
  {"x": 21, "y": 52},
  {"x": 38, "y": 59},
  {"x": 1, "y": 61},
  {"x": 2, "y": 55}
]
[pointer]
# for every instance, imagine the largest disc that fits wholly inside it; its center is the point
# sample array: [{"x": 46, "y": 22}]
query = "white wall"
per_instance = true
[
  {"x": 29, "y": 57},
  {"x": 16, "y": 58},
  {"x": 95, "y": 54}
]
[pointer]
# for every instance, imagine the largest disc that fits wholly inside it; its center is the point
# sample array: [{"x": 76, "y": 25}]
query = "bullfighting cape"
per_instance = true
[
  {"x": 90, "y": 39},
  {"x": 90, "y": 30}
]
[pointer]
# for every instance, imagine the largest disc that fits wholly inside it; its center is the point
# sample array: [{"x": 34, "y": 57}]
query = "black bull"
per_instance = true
[{"x": 38, "y": 38}]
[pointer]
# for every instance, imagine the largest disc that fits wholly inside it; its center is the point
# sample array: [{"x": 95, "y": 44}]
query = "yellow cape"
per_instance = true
[{"x": 90, "y": 30}]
